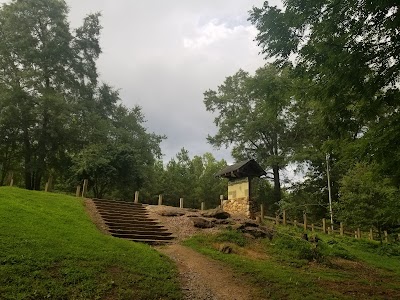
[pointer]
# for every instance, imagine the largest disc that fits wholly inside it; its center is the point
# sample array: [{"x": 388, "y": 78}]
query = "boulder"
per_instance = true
[
  {"x": 256, "y": 231},
  {"x": 202, "y": 223},
  {"x": 224, "y": 248},
  {"x": 222, "y": 222},
  {"x": 215, "y": 213}
]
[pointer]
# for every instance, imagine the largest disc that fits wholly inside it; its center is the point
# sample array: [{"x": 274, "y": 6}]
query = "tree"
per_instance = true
[
  {"x": 348, "y": 53},
  {"x": 367, "y": 199},
  {"x": 254, "y": 116},
  {"x": 45, "y": 68}
]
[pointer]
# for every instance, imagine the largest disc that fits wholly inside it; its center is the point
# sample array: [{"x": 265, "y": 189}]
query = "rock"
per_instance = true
[
  {"x": 257, "y": 232},
  {"x": 224, "y": 248},
  {"x": 216, "y": 213},
  {"x": 202, "y": 223},
  {"x": 172, "y": 213},
  {"x": 222, "y": 222}
]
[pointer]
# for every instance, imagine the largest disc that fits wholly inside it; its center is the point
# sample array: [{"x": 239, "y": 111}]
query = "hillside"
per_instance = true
[
  {"x": 289, "y": 267},
  {"x": 50, "y": 249}
]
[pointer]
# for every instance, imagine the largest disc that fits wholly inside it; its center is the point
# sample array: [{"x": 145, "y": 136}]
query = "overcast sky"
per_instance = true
[{"x": 163, "y": 55}]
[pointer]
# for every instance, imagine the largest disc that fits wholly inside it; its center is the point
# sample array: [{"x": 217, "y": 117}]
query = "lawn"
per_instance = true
[
  {"x": 50, "y": 249},
  {"x": 288, "y": 267}
]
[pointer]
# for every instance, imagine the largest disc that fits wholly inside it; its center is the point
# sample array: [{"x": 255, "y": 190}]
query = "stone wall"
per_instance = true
[{"x": 239, "y": 202}]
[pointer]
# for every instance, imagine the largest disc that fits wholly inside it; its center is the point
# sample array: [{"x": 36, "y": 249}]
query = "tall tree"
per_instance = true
[
  {"x": 254, "y": 116},
  {"x": 44, "y": 68}
]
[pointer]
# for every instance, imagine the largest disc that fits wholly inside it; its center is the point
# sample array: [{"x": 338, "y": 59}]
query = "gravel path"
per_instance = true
[{"x": 203, "y": 278}]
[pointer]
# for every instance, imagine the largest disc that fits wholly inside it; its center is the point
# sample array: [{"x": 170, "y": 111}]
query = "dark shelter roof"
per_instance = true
[{"x": 247, "y": 168}]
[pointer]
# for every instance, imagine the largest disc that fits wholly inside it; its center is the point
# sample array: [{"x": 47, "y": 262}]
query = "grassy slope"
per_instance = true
[
  {"x": 290, "y": 268},
  {"x": 50, "y": 249}
]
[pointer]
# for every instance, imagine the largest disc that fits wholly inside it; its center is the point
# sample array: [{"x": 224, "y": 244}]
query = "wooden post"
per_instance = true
[
  {"x": 386, "y": 236},
  {"x": 371, "y": 234},
  {"x": 202, "y": 206},
  {"x": 276, "y": 219},
  {"x": 160, "y": 199},
  {"x": 355, "y": 234},
  {"x": 312, "y": 227},
  {"x": 305, "y": 221},
  {"x": 262, "y": 212},
  {"x": 85, "y": 187},
  {"x": 341, "y": 229},
  {"x": 136, "y": 199},
  {"x": 324, "y": 225},
  {"x": 221, "y": 198},
  {"x": 359, "y": 233},
  {"x": 46, "y": 187},
  {"x": 78, "y": 191},
  {"x": 284, "y": 217},
  {"x": 181, "y": 202},
  {"x": 295, "y": 223}
]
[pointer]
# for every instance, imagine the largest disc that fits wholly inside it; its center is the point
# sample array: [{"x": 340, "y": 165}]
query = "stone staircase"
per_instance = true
[{"x": 130, "y": 221}]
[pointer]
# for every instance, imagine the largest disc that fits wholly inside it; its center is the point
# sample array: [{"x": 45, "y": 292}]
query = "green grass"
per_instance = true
[
  {"x": 292, "y": 268},
  {"x": 50, "y": 249}
]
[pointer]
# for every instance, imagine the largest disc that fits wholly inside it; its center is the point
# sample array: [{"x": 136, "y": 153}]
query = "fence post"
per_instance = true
[
  {"x": 202, "y": 205},
  {"x": 359, "y": 233},
  {"x": 276, "y": 219},
  {"x": 262, "y": 212},
  {"x": 386, "y": 236},
  {"x": 160, "y": 199},
  {"x": 181, "y": 202},
  {"x": 295, "y": 223},
  {"x": 312, "y": 227},
  {"x": 305, "y": 221},
  {"x": 324, "y": 225},
  {"x": 85, "y": 187},
  {"x": 136, "y": 197},
  {"x": 284, "y": 217},
  {"x": 355, "y": 234},
  {"x": 221, "y": 198},
  {"x": 371, "y": 234},
  {"x": 78, "y": 191},
  {"x": 341, "y": 229}
]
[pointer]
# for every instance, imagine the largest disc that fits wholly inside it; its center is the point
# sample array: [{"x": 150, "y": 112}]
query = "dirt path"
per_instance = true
[{"x": 203, "y": 278}]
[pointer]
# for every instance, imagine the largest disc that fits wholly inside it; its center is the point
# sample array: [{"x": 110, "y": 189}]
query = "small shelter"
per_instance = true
[{"x": 239, "y": 200}]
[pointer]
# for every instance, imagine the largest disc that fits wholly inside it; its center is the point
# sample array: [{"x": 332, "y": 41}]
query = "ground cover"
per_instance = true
[
  {"x": 49, "y": 248},
  {"x": 288, "y": 267}
]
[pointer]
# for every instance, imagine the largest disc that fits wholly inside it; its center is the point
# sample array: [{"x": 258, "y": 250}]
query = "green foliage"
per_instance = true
[
  {"x": 51, "y": 249},
  {"x": 368, "y": 199},
  {"x": 253, "y": 116},
  {"x": 190, "y": 178},
  {"x": 55, "y": 119}
]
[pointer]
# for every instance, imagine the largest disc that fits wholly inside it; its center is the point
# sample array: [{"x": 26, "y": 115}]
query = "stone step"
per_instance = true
[
  {"x": 143, "y": 236},
  {"x": 118, "y": 202},
  {"x": 139, "y": 231},
  {"x": 151, "y": 241},
  {"x": 135, "y": 227},
  {"x": 127, "y": 219},
  {"x": 126, "y": 214},
  {"x": 121, "y": 208},
  {"x": 131, "y": 223}
]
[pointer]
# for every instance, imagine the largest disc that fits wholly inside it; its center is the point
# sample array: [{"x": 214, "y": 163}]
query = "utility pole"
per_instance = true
[{"x": 329, "y": 189}]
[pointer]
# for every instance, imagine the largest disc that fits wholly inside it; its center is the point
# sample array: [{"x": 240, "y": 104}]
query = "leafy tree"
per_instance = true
[
  {"x": 45, "y": 68},
  {"x": 367, "y": 199},
  {"x": 254, "y": 116}
]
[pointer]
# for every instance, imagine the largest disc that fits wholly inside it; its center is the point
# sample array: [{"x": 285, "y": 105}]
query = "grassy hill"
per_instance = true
[
  {"x": 50, "y": 249},
  {"x": 288, "y": 267}
]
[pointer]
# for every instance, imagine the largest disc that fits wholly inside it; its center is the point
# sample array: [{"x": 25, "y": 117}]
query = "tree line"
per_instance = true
[{"x": 330, "y": 99}]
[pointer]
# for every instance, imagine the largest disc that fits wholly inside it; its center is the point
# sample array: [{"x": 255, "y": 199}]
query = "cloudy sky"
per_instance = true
[{"x": 163, "y": 55}]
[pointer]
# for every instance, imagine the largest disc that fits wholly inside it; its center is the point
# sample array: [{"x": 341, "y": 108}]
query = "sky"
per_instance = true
[{"x": 163, "y": 55}]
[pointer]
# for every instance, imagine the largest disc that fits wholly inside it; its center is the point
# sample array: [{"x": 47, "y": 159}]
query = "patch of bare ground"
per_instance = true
[
  {"x": 203, "y": 278},
  {"x": 95, "y": 216},
  {"x": 180, "y": 226}
]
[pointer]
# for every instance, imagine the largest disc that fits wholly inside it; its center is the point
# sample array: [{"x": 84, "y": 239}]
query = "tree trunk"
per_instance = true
[
  {"x": 27, "y": 161},
  {"x": 277, "y": 184}
]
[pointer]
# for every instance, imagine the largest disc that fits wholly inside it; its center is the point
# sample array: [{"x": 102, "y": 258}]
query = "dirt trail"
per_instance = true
[{"x": 203, "y": 278}]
